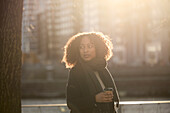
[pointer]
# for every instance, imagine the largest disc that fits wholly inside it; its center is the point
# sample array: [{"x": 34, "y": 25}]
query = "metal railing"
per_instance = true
[{"x": 125, "y": 107}]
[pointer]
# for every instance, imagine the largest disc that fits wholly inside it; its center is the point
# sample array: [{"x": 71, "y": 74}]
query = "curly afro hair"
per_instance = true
[{"x": 102, "y": 44}]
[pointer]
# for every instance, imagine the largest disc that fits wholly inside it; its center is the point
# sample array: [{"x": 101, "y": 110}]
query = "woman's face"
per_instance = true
[{"x": 87, "y": 49}]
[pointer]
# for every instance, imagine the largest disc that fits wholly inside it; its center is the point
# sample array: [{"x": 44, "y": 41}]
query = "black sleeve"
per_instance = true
[{"x": 76, "y": 100}]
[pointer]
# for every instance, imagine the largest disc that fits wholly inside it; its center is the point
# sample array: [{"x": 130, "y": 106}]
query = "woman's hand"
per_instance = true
[{"x": 106, "y": 96}]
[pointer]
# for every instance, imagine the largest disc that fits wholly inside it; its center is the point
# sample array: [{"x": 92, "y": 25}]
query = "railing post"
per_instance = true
[
  {"x": 119, "y": 110},
  {"x": 39, "y": 109}
]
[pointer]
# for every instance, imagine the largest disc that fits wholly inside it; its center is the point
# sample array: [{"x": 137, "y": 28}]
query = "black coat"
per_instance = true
[{"x": 79, "y": 98}]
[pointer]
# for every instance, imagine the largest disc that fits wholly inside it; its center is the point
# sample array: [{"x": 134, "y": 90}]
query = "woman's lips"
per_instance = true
[{"x": 86, "y": 56}]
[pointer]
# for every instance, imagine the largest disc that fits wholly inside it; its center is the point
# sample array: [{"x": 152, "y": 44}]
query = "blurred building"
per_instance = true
[
  {"x": 29, "y": 22},
  {"x": 140, "y": 33},
  {"x": 47, "y": 27},
  {"x": 90, "y": 16},
  {"x": 43, "y": 52},
  {"x": 98, "y": 16},
  {"x": 158, "y": 44},
  {"x": 59, "y": 21},
  {"x": 140, "y": 37}
]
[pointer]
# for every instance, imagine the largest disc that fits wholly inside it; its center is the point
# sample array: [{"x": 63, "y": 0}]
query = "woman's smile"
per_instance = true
[{"x": 86, "y": 55}]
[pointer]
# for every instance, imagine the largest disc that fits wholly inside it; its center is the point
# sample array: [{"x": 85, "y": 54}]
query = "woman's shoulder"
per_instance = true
[
  {"x": 75, "y": 73},
  {"x": 75, "y": 70}
]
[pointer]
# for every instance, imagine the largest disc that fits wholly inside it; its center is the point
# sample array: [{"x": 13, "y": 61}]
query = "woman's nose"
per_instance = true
[{"x": 85, "y": 49}]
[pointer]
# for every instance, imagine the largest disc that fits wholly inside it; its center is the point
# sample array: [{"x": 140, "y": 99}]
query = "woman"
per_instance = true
[{"x": 86, "y": 55}]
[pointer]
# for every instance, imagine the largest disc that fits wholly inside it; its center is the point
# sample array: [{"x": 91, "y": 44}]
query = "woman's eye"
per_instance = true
[
  {"x": 81, "y": 47},
  {"x": 90, "y": 46}
]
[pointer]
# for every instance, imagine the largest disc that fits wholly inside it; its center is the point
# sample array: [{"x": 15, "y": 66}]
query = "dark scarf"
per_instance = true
[
  {"x": 96, "y": 64},
  {"x": 99, "y": 65}
]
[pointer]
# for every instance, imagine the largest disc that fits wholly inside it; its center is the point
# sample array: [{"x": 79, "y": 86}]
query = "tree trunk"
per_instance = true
[{"x": 10, "y": 55}]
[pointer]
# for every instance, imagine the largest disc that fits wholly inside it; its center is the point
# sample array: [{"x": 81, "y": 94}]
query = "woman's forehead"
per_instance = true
[{"x": 86, "y": 40}]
